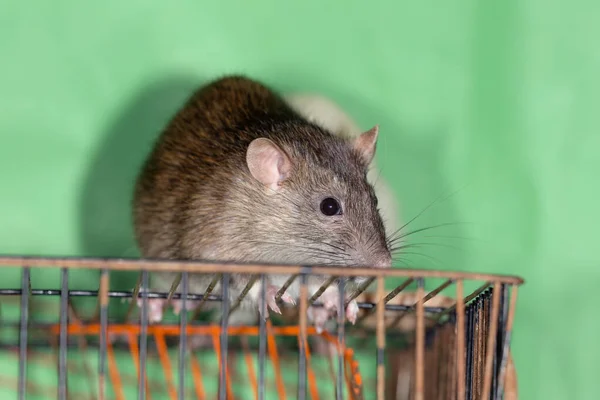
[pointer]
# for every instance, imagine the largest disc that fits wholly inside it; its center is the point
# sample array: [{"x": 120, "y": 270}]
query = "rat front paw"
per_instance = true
[
  {"x": 352, "y": 311},
  {"x": 155, "y": 309},
  {"x": 271, "y": 294},
  {"x": 330, "y": 309}
]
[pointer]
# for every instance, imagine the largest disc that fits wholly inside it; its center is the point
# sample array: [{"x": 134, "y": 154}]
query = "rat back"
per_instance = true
[{"x": 199, "y": 154}]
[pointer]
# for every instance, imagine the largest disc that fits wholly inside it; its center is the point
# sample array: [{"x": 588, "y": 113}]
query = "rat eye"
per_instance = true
[{"x": 331, "y": 207}]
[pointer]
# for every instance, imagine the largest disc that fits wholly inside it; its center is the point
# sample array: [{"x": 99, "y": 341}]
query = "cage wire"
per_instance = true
[{"x": 411, "y": 341}]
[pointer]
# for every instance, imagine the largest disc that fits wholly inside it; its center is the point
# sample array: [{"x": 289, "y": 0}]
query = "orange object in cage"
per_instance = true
[
  {"x": 456, "y": 347},
  {"x": 161, "y": 332}
]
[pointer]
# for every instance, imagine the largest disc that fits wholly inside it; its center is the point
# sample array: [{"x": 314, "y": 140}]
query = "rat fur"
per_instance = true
[{"x": 239, "y": 176}]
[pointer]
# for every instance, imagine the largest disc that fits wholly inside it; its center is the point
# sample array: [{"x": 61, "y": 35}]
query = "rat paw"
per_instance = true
[
  {"x": 331, "y": 308},
  {"x": 352, "y": 311},
  {"x": 155, "y": 309},
  {"x": 272, "y": 302}
]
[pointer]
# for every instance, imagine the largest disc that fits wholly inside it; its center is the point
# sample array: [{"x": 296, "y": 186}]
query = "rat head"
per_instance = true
[{"x": 314, "y": 200}]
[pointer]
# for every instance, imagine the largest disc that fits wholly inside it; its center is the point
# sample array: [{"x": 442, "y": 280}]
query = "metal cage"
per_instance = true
[{"x": 454, "y": 347}]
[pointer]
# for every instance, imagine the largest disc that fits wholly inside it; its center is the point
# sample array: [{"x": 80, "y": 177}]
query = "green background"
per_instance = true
[{"x": 498, "y": 100}]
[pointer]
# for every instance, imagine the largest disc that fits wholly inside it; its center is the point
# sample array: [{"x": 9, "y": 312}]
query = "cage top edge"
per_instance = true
[{"x": 131, "y": 264}]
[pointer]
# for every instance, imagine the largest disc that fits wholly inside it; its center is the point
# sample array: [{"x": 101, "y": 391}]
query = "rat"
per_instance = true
[{"x": 239, "y": 176}]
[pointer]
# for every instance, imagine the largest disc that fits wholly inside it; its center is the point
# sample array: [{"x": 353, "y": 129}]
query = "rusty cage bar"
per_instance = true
[{"x": 457, "y": 350}]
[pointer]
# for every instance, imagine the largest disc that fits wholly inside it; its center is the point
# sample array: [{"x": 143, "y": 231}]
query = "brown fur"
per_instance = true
[{"x": 196, "y": 199}]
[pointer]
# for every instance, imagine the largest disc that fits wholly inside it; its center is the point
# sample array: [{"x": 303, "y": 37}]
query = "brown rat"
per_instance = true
[{"x": 239, "y": 176}]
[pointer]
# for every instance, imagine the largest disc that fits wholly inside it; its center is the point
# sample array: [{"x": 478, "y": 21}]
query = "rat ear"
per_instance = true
[
  {"x": 267, "y": 163},
  {"x": 365, "y": 144}
]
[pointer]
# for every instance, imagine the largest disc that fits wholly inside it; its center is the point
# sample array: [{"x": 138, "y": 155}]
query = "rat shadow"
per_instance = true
[{"x": 106, "y": 225}]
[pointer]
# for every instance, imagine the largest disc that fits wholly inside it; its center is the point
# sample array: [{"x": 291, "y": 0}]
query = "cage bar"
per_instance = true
[
  {"x": 387, "y": 299},
  {"x": 134, "y": 297},
  {"x": 487, "y": 382},
  {"x": 303, "y": 342},
  {"x": 361, "y": 288},
  {"x": 23, "y": 332},
  {"x": 284, "y": 287},
  {"x": 503, "y": 315},
  {"x": 62, "y": 347},
  {"x": 174, "y": 286},
  {"x": 103, "y": 309},
  {"x": 507, "y": 337},
  {"x": 461, "y": 346},
  {"x": 262, "y": 345},
  {"x": 143, "y": 338},
  {"x": 243, "y": 294},
  {"x": 205, "y": 267},
  {"x": 182, "y": 337},
  {"x": 321, "y": 289},
  {"x": 427, "y": 297},
  {"x": 380, "y": 339},
  {"x": 205, "y": 296},
  {"x": 341, "y": 318},
  {"x": 460, "y": 341},
  {"x": 420, "y": 343},
  {"x": 223, "y": 337}
]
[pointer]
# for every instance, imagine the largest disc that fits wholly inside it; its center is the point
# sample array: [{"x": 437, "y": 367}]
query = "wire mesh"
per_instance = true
[{"x": 453, "y": 347}]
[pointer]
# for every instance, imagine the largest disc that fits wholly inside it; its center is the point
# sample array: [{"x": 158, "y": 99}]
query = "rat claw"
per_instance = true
[
  {"x": 286, "y": 298},
  {"x": 331, "y": 307},
  {"x": 352, "y": 311},
  {"x": 273, "y": 306},
  {"x": 271, "y": 299}
]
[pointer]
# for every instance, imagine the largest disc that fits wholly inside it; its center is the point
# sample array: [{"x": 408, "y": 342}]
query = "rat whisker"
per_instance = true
[
  {"x": 423, "y": 255},
  {"x": 441, "y": 198},
  {"x": 401, "y": 235},
  {"x": 392, "y": 241},
  {"x": 400, "y": 260},
  {"x": 422, "y": 244},
  {"x": 372, "y": 239},
  {"x": 420, "y": 213}
]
